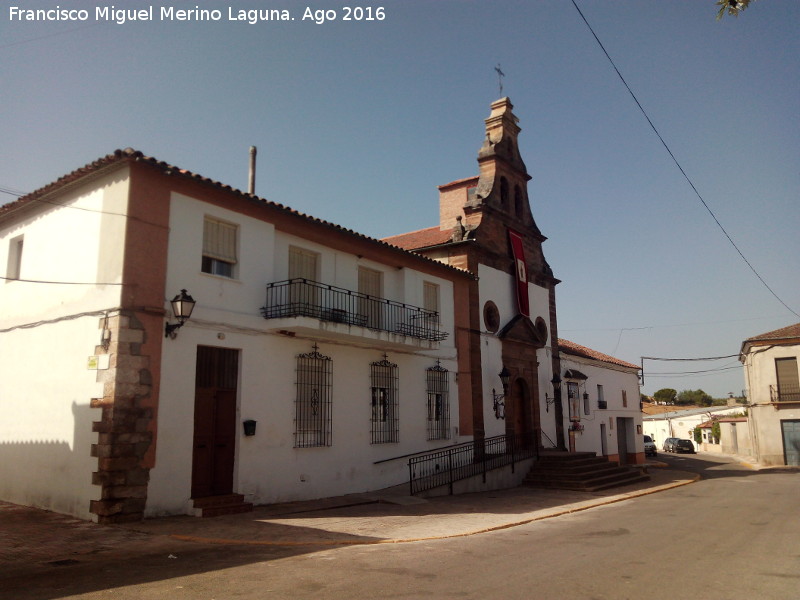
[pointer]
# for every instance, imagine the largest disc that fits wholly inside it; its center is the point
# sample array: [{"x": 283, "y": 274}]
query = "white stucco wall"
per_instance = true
[
  {"x": 680, "y": 424},
  {"x": 268, "y": 468},
  {"x": 499, "y": 287},
  {"x": 47, "y": 333},
  {"x": 766, "y": 433},
  {"x": 613, "y": 380}
]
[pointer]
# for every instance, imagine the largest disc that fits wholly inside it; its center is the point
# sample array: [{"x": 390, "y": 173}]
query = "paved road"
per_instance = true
[{"x": 732, "y": 535}]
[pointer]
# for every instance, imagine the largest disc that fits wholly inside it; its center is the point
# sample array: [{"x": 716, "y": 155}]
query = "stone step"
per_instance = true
[
  {"x": 583, "y": 471},
  {"x": 225, "y": 504}
]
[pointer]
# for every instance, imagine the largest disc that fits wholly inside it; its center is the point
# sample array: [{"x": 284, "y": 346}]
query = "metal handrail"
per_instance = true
[
  {"x": 305, "y": 298},
  {"x": 448, "y": 465},
  {"x": 547, "y": 437},
  {"x": 784, "y": 393}
]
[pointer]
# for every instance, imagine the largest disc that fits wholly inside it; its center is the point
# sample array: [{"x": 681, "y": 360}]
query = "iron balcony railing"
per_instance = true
[
  {"x": 448, "y": 465},
  {"x": 784, "y": 393},
  {"x": 306, "y": 298}
]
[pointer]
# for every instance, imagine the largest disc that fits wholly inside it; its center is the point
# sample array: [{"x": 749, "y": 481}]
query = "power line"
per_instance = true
[
  {"x": 680, "y": 168},
  {"x": 690, "y": 359},
  {"x": 62, "y": 282},
  {"x": 11, "y": 192}
]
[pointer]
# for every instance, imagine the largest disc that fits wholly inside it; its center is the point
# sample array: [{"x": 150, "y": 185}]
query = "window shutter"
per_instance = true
[{"x": 219, "y": 241}]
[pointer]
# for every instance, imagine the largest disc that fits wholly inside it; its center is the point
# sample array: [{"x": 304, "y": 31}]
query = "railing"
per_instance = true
[
  {"x": 784, "y": 393},
  {"x": 446, "y": 466},
  {"x": 547, "y": 437},
  {"x": 305, "y": 298}
]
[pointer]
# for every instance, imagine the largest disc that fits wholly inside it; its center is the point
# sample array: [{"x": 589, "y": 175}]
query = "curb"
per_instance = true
[{"x": 331, "y": 543}]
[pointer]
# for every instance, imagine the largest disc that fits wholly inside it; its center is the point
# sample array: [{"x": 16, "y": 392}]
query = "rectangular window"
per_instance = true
[
  {"x": 788, "y": 379},
  {"x": 370, "y": 283},
  {"x": 624, "y": 399},
  {"x": 219, "y": 248},
  {"x": 14, "y": 265},
  {"x": 303, "y": 272},
  {"x": 303, "y": 264},
  {"x": 312, "y": 421},
  {"x": 587, "y": 409},
  {"x": 574, "y": 401},
  {"x": 601, "y": 401},
  {"x": 384, "y": 419},
  {"x": 438, "y": 403}
]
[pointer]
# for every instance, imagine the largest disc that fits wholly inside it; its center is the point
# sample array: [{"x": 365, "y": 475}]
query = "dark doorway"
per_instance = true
[
  {"x": 622, "y": 440},
  {"x": 214, "y": 421}
]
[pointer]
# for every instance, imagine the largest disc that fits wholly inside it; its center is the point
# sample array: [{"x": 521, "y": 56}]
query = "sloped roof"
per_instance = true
[
  {"x": 119, "y": 157},
  {"x": 574, "y": 349},
  {"x": 422, "y": 238},
  {"x": 792, "y": 331}
]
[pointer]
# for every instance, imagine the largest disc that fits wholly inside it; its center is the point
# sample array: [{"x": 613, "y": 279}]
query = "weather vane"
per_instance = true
[{"x": 500, "y": 76}]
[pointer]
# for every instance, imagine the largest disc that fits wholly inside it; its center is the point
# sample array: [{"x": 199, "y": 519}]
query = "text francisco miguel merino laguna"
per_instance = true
[{"x": 170, "y": 13}]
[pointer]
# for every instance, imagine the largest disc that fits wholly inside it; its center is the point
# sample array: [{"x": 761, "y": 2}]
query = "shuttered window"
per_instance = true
[
  {"x": 370, "y": 283},
  {"x": 219, "y": 247},
  {"x": 303, "y": 264},
  {"x": 788, "y": 379}
]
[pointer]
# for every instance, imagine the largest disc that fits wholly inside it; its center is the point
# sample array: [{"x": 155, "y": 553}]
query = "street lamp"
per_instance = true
[
  {"x": 499, "y": 403},
  {"x": 182, "y": 307}
]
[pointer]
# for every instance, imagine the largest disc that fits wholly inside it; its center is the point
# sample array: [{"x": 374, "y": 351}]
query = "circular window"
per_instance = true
[{"x": 491, "y": 316}]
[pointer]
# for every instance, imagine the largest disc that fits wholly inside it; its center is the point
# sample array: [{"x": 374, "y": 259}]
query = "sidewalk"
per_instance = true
[
  {"x": 387, "y": 518},
  {"x": 30, "y": 535}
]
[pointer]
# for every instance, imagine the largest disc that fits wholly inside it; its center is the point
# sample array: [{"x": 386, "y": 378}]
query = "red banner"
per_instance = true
[{"x": 521, "y": 273}]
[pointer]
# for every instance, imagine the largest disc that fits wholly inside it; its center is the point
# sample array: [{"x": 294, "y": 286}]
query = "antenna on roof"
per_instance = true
[
  {"x": 500, "y": 76},
  {"x": 251, "y": 186}
]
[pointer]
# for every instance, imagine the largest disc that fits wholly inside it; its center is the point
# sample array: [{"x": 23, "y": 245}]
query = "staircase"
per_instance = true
[
  {"x": 216, "y": 506},
  {"x": 582, "y": 471}
]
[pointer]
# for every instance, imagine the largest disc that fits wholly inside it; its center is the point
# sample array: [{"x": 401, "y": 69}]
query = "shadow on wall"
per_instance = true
[{"x": 52, "y": 474}]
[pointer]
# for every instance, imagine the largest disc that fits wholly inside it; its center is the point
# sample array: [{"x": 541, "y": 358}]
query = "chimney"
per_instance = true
[{"x": 251, "y": 186}]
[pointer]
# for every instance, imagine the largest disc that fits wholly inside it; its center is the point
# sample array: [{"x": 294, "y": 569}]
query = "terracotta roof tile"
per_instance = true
[
  {"x": 423, "y": 238},
  {"x": 574, "y": 349},
  {"x": 792, "y": 331}
]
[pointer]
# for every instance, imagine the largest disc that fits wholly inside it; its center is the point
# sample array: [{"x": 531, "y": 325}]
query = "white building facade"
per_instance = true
[
  {"x": 339, "y": 350},
  {"x": 770, "y": 362},
  {"x": 603, "y": 399}
]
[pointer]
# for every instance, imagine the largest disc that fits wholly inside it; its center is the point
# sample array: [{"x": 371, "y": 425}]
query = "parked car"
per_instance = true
[
  {"x": 684, "y": 446},
  {"x": 669, "y": 444},
  {"x": 649, "y": 446}
]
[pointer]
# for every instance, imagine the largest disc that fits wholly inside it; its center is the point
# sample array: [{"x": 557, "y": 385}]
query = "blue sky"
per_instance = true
[{"x": 358, "y": 122}]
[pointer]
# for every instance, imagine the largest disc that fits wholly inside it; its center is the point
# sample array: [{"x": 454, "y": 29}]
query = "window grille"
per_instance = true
[
  {"x": 384, "y": 420},
  {"x": 438, "y": 403},
  {"x": 312, "y": 423}
]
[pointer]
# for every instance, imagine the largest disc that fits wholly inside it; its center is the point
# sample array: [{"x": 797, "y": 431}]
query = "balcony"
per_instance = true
[
  {"x": 784, "y": 393},
  {"x": 345, "y": 309}
]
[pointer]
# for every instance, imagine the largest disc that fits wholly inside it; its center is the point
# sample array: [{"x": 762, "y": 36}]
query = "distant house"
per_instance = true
[
  {"x": 681, "y": 423},
  {"x": 734, "y": 436},
  {"x": 603, "y": 403},
  {"x": 770, "y": 363}
]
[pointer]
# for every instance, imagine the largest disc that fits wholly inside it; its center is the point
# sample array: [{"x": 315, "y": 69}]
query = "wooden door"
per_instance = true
[{"x": 214, "y": 445}]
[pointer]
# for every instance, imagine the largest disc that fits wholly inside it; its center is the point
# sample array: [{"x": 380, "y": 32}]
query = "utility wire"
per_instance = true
[
  {"x": 11, "y": 192},
  {"x": 690, "y": 359},
  {"x": 680, "y": 168},
  {"x": 62, "y": 282}
]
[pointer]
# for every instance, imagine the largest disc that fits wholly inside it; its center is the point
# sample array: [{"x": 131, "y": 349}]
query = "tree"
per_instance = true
[
  {"x": 666, "y": 396},
  {"x": 732, "y": 7},
  {"x": 695, "y": 397},
  {"x": 716, "y": 431}
]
